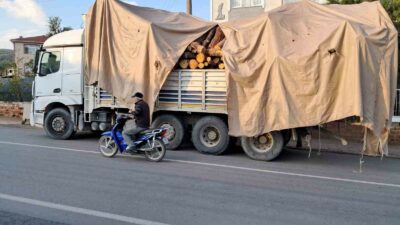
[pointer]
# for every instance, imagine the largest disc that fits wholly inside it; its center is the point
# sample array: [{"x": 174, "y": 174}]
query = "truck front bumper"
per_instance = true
[{"x": 37, "y": 119}]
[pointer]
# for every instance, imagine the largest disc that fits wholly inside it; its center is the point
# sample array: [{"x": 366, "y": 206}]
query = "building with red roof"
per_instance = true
[{"x": 24, "y": 51}]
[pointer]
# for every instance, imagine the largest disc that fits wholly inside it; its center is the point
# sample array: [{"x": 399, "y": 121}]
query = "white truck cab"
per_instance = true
[{"x": 58, "y": 83}]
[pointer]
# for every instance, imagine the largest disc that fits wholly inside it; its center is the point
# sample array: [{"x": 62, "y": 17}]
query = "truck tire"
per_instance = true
[
  {"x": 210, "y": 135},
  {"x": 265, "y": 147},
  {"x": 176, "y": 129},
  {"x": 58, "y": 124}
]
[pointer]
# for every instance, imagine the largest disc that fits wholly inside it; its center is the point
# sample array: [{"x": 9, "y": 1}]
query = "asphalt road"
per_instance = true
[{"x": 49, "y": 182}]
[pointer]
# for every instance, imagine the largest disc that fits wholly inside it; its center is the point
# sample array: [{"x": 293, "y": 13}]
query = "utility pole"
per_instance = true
[{"x": 189, "y": 7}]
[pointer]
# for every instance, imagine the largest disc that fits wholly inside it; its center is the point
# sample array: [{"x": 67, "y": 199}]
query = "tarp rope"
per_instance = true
[
  {"x": 319, "y": 139},
  {"x": 363, "y": 150}
]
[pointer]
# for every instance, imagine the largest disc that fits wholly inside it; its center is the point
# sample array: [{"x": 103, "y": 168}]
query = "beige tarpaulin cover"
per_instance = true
[
  {"x": 130, "y": 48},
  {"x": 299, "y": 65}
]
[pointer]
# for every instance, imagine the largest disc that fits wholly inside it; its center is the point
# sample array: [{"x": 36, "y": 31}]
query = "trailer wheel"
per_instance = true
[
  {"x": 210, "y": 135},
  {"x": 265, "y": 147},
  {"x": 58, "y": 124},
  {"x": 176, "y": 130}
]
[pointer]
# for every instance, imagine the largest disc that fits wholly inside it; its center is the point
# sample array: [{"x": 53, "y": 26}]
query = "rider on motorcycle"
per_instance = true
[{"x": 142, "y": 120}]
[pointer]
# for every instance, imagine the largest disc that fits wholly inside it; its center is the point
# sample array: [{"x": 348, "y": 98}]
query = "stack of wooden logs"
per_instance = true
[{"x": 205, "y": 52}]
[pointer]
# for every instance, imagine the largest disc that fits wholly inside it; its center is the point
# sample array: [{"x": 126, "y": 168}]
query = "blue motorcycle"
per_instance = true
[{"x": 151, "y": 142}]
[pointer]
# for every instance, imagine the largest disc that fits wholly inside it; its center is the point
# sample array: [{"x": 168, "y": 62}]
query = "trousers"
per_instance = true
[{"x": 130, "y": 134}]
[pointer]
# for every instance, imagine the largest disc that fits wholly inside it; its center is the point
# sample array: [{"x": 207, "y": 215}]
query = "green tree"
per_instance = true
[
  {"x": 393, "y": 9},
  {"x": 55, "y": 26},
  {"x": 29, "y": 66},
  {"x": 6, "y": 66},
  {"x": 6, "y": 58},
  {"x": 15, "y": 88}
]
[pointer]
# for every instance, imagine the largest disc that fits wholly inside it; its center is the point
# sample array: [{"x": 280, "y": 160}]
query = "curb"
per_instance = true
[{"x": 13, "y": 122}]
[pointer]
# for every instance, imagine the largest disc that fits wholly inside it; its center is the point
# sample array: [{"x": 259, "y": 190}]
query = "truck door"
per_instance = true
[
  {"x": 48, "y": 81},
  {"x": 72, "y": 72}
]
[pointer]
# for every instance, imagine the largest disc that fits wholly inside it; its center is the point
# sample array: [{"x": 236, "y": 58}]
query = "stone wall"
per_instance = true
[
  {"x": 356, "y": 133},
  {"x": 11, "y": 109}
]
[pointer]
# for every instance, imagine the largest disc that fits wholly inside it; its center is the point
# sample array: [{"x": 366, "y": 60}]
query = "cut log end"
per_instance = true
[
  {"x": 193, "y": 64},
  {"x": 200, "y": 57},
  {"x": 205, "y": 52},
  {"x": 188, "y": 55},
  {"x": 214, "y": 52},
  {"x": 184, "y": 63}
]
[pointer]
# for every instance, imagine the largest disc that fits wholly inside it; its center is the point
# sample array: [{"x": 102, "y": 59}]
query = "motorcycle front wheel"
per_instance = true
[
  {"x": 157, "y": 153},
  {"x": 107, "y": 146}
]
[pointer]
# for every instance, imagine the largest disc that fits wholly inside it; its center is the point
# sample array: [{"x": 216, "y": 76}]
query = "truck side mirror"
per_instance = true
[
  {"x": 35, "y": 66},
  {"x": 42, "y": 66},
  {"x": 42, "y": 70}
]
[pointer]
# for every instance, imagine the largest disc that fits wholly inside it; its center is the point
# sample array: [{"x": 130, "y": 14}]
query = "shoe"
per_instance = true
[{"x": 131, "y": 149}]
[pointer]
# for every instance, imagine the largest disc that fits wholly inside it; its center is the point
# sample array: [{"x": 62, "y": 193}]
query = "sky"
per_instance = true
[{"x": 29, "y": 17}]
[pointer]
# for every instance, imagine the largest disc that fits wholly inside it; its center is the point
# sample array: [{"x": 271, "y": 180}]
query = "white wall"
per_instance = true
[{"x": 226, "y": 9}]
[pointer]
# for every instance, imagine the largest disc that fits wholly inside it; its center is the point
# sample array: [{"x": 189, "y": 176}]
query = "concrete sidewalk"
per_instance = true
[{"x": 10, "y": 121}]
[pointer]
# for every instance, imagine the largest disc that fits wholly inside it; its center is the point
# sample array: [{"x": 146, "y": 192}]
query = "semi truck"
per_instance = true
[{"x": 192, "y": 104}]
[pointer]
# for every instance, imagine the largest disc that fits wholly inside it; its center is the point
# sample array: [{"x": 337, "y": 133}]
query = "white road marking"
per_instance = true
[
  {"x": 48, "y": 147},
  {"x": 229, "y": 167},
  {"x": 78, "y": 210},
  {"x": 288, "y": 173}
]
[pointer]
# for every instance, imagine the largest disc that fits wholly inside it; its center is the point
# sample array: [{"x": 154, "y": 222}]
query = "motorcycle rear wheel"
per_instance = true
[
  {"x": 157, "y": 153},
  {"x": 107, "y": 146}
]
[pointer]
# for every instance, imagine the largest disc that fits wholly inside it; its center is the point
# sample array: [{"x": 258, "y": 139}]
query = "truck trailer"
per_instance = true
[{"x": 297, "y": 66}]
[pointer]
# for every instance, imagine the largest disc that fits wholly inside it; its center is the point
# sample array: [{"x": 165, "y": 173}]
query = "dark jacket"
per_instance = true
[{"x": 142, "y": 114}]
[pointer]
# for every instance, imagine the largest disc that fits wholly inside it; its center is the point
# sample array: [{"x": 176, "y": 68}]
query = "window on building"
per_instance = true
[
  {"x": 256, "y": 3},
  {"x": 28, "y": 67},
  {"x": 246, "y": 3},
  {"x": 236, "y": 3},
  {"x": 30, "y": 49}
]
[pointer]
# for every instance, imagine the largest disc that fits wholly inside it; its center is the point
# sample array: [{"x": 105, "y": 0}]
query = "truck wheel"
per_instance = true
[
  {"x": 176, "y": 130},
  {"x": 58, "y": 124},
  {"x": 265, "y": 147},
  {"x": 210, "y": 135}
]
